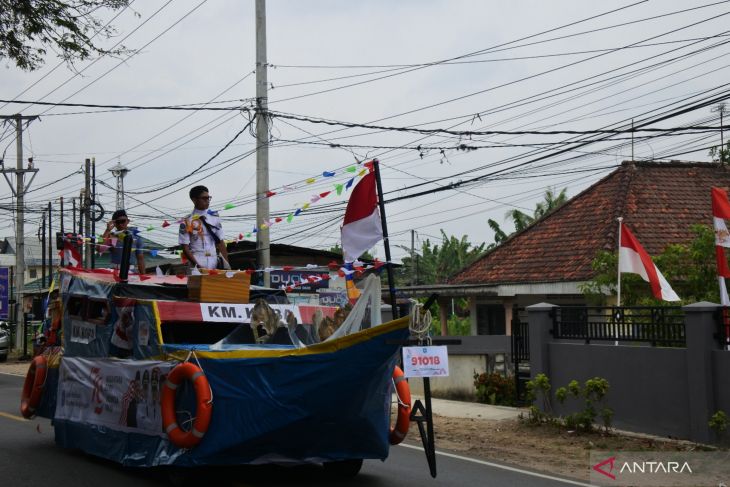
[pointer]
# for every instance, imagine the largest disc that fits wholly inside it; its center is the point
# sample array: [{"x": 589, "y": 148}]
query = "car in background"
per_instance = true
[{"x": 4, "y": 340}]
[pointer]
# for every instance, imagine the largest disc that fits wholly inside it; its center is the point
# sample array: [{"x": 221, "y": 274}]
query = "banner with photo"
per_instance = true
[{"x": 106, "y": 392}]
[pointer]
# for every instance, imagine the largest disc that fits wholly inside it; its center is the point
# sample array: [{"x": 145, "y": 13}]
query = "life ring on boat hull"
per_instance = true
[
  {"x": 403, "y": 421},
  {"x": 35, "y": 381},
  {"x": 203, "y": 399}
]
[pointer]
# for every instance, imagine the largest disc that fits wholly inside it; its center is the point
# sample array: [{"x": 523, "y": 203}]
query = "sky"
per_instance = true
[{"x": 454, "y": 65}]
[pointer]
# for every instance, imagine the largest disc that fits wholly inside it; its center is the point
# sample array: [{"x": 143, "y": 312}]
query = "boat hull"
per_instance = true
[{"x": 328, "y": 402}]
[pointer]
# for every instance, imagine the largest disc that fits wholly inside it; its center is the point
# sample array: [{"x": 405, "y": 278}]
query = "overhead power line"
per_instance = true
[
  {"x": 129, "y": 107},
  {"x": 469, "y": 133}
]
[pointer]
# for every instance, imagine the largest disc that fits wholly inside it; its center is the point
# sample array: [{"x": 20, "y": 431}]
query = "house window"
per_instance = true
[
  {"x": 491, "y": 319},
  {"x": 33, "y": 273}
]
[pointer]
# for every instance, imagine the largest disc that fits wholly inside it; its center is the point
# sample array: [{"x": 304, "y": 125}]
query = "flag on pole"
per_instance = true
[
  {"x": 634, "y": 259},
  {"x": 70, "y": 253},
  {"x": 362, "y": 227},
  {"x": 720, "y": 213}
]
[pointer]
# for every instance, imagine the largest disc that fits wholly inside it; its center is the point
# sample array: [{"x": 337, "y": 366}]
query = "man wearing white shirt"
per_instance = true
[{"x": 201, "y": 233}]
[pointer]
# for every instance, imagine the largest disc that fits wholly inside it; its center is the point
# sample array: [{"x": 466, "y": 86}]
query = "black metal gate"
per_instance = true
[{"x": 520, "y": 351}]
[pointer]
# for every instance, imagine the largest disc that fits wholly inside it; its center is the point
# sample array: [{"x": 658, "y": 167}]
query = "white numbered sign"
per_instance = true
[{"x": 425, "y": 361}]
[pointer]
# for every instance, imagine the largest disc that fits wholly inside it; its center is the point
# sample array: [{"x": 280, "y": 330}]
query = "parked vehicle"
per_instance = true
[{"x": 4, "y": 341}]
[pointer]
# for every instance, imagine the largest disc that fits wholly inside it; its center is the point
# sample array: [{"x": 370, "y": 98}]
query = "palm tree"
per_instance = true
[{"x": 522, "y": 220}]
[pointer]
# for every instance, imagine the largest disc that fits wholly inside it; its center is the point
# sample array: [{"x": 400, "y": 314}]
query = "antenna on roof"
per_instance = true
[
  {"x": 720, "y": 108},
  {"x": 632, "y": 140}
]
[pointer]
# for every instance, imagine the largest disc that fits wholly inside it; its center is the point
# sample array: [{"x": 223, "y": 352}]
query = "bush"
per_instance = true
[
  {"x": 719, "y": 422},
  {"x": 495, "y": 389},
  {"x": 593, "y": 393},
  {"x": 539, "y": 389}
]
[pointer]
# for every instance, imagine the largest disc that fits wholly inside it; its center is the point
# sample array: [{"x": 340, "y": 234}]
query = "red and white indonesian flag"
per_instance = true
[
  {"x": 720, "y": 213},
  {"x": 634, "y": 259},
  {"x": 70, "y": 253},
  {"x": 362, "y": 228}
]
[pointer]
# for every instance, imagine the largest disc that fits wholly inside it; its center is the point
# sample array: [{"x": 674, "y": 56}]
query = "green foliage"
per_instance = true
[
  {"x": 495, "y": 388},
  {"x": 718, "y": 422},
  {"x": 689, "y": 268},
  {"x": 338, "y": 250},
  {"x": 522, "y": 220},
  {"x": 499, "y": 234},
  {"x": 69, "y": 28},
  {"x": 561, "y": 394},
  {"x": 538, "y": 389},
  {"x": 720, "y": 154},
  {"x": 459, "y": 326},
  {"x": 458, "y": 322},
  {"x": 434, "y": 264},
  {"x": 592, "y": 393}
]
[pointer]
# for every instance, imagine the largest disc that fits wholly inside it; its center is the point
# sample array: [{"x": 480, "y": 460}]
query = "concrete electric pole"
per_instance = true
[
  {"x": 89, "y": 247},
  {"x": 263, "y": 255},
  {"x": 19, "y": 193}
]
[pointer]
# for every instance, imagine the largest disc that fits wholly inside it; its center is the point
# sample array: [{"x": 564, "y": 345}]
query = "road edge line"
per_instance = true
[{"x": 503, "y": 467}]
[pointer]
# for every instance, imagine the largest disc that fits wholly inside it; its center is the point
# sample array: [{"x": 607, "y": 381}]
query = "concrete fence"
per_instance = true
[
  {"x": 659, "y": 390},
  {"x": 479, "y": 353}
]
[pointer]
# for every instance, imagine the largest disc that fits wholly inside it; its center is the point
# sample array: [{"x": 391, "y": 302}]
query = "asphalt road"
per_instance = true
[{"x": 30, "y": 458}]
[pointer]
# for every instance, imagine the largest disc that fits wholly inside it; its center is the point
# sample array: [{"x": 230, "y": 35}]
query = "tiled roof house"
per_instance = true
[{"x": 547, "y": 261}]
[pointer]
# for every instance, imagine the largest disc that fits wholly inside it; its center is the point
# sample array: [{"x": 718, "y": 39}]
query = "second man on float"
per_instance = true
[{"x": 201, "y": 233}]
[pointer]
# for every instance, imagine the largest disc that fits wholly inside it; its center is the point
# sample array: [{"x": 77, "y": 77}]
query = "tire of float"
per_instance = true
[
  {"x": 35, "y": 382},
  {"x": 403, "y": 391},
  {"x": 203, "y": 399}
]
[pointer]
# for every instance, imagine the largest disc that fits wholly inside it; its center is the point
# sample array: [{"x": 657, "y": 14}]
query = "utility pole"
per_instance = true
[
  {"x": 89, "y": 245},
  {"x": 19, "y": 193},
  {"x": 93, "y": 221},
  {"x": 50, "y": 246},
  {"x": 63, "y": 234},
  {"x": 413, "y": 260},
  {"x": 263, "y": 255},
  {"x": 43, "y": 253}
]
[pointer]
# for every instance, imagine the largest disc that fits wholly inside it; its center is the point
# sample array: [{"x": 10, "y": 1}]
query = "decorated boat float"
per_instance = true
[{"x": 209, "y": 370}]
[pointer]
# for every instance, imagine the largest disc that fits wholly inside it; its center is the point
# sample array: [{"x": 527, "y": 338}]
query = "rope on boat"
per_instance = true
[
  {"x": 192, "y": 354},
  {"x": 420, "y": 322}
]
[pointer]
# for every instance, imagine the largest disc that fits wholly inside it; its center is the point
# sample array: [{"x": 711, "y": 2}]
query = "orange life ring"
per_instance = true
[
  {"x": 35, "y": 381},
  {"x": 403, "y": 391},
  {"x": 204, "y": 399}
]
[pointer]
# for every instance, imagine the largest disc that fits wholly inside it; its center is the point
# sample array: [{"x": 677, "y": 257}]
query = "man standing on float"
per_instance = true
[{"x": 201, "y": 233}]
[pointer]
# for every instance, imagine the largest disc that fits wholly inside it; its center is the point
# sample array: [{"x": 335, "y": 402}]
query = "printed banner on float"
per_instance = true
[
  {"x": 107, "y": 393},
  {"x": 242, "y": 313}
]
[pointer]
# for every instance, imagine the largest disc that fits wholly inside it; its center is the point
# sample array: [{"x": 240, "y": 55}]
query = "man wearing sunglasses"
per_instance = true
[
  {"x": 201, "y": 233},
  {"x": 114, "y": 230}
]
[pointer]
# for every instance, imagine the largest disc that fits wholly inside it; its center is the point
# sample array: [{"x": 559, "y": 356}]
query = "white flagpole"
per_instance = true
[{"x": 618, "y": 286}]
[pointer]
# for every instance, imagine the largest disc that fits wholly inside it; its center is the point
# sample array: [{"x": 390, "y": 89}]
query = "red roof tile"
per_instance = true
[{"x": 658, "y": 200}]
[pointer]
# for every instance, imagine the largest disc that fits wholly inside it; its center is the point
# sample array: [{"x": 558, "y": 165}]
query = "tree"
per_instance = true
[
  {"x": 721, "y": 154},
  {"x": 69, "y": 28},
  {"x": 435, "y": 264},
  {"x": 689, "y": 268},
  {"x": 338, "y": 250},
  {"x": 522, "y": 220}
]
